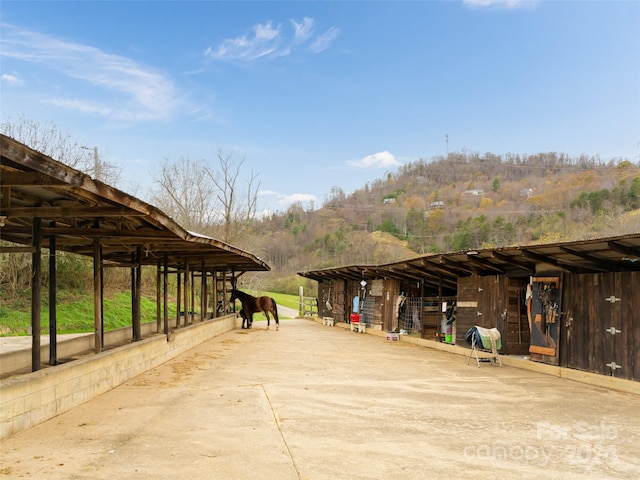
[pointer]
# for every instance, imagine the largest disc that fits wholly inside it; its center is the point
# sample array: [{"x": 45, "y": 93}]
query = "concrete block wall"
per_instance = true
[
  {"x": 32, "y": 398},
  {"x": 20, "y": 360}
]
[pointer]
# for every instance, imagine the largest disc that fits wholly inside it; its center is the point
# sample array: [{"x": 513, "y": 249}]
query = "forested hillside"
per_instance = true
[{"x": 463, "y": 202}]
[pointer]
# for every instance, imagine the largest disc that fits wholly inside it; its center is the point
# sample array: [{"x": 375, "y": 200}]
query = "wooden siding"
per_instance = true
[
  {"x": 494, "y": 301},
  {"x": 390, "y": 290},
  {"x": 594, "y": 304},
  {"x": 340, "y": 308},
  {"x": 517, "y": 334},
  {"x": 467, "y": 309}
]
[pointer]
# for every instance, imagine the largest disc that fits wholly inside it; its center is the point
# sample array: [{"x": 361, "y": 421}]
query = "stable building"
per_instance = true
[{"x": 571, "y": 304}]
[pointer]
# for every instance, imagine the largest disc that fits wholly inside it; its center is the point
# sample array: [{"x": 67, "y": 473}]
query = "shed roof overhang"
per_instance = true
[
  {"x": 612, "y": 254},
  {"x": 76, "y": 209}
]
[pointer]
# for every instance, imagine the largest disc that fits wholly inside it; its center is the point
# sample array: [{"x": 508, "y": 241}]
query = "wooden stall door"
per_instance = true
[
  {"x": 602, "y": 324},
  {"x": 391, "y": 289},
  {"x": 609, "y": 302},
  {"x": 491, "y": 304},
  {"x": 467, "y": 306},
  {"x": 516, "y": 326},
  {"x": 326, "y": 299}
]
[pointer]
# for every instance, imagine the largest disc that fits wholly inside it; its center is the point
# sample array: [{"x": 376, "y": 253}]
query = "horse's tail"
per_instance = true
[{"x": 275, "y": 310}]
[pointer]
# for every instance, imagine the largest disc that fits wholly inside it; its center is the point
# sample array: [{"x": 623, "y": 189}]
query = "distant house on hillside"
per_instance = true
[
  {"x": 526, "y": 192},
  {"x": 389, "y": 200},
  {"x": 478, "y": 192},
  {"x": 439, "y": 205}
]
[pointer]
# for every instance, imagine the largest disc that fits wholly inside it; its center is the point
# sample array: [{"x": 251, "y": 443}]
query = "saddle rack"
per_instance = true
[{"x": 477, "y": 345}]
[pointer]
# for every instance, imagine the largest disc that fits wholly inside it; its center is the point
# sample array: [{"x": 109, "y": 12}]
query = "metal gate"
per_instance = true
[{"x": 410, "y": 318}]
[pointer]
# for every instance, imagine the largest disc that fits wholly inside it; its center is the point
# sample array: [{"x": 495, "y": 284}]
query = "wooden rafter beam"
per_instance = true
[
  {"x": 514, "y": 261},
  {"x": 632, "y": 252},
  {"x": 484, "y": 263},
  {"x": 17, "y": 249},
  {"x": 29, "y": 179},
  {"x": 546, "y": 259},
  {"x": 54, "y": 212},
  {"x": 444, "y": 260},
  {"x": 140, "y": 233},
  {"x": 605, "y": 265}
]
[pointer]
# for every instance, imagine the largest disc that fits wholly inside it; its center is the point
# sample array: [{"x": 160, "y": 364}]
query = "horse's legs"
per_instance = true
[{"x": 243, "y": 314}]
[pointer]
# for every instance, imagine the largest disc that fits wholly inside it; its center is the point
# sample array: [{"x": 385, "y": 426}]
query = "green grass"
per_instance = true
[
  {"x": 74, "y": 314},
  {"x": 291, "y": 301},
  {"x": 283, "y": 299}
]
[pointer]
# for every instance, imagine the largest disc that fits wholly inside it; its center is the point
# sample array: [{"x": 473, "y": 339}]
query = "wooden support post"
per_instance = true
[
  {"x": 165, "y": 299},
  {"x": 36, "y": 270},
  {"x": 158, "y": 292},
  {"x": 203, "y": 293},
  {"x": 186, "y": 291},
  {"x": 214, "y": 289},
  {"x": 53, "y": 284},
  {"x": 192, "y": 315},
  {"x": 137, "y": 336},
  {"x": 132, "y": 274},
  {"x": 97, "y": 300},
  {"x": 178, "y": 296}
]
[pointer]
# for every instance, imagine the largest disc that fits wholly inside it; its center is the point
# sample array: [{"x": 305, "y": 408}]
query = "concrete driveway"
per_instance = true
[{"x": 317, "y": 402}]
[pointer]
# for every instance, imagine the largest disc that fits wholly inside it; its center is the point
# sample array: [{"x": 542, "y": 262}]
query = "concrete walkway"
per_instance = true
[{"x": 316, "y": 402}]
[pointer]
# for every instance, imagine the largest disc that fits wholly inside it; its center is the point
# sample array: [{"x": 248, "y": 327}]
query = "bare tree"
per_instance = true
[
  {"x": 237, "y": 214},
  {"x": 48, "y": 139},
  {"x": 15, "y": 269},
  {"x": 185, "y": 193},
  {"x": 206, "y": 199}
]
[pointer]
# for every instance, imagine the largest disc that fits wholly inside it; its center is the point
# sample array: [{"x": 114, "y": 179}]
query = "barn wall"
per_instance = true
[
  {"x": 593, "y": 305},
  {"x": 467, "y": 306},
  {"x": 325, "y": 293},
  {"x": 391, "y": 290},
  {"x": 516, "y": 326},
  {"x": 493, "y": 301}
]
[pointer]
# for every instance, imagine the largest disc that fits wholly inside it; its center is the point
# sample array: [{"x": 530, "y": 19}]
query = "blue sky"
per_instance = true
[{"x": 316, "y": 95}]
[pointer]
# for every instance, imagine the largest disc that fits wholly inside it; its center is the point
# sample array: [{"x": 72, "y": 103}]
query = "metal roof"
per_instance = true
[
  {"x": 76, "y": 209},
  {"x": 613, "y": 254}
]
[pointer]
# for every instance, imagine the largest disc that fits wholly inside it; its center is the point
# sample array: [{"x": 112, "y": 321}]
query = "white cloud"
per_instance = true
[
  {"x": 505, "y": 4},
  {"x": 263, "y": 41},
  {"x": 303, "y": 30},
  {"x": 80, "y": 106},
  {"x": 12, "y": 80},
  {"x": 377, "y": 160},
  {"x": 135, "y": 91},
  {"x": 285, "y": 201},
  {"x": 268, "y": 41},
  {"x": 296, "y": 197},
  {"x": 323, "y": 41},
  {"x": 267, "y": 192}
]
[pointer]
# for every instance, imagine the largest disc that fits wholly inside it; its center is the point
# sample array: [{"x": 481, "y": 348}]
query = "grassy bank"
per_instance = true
[{"x": 74, "y": 312}]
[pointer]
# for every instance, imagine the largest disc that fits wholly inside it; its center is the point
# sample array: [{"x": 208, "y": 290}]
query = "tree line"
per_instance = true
[{"x": 462, "y": 201}]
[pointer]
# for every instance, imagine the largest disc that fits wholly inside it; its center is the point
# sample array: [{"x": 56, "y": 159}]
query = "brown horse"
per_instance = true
[{"x": 251, "y": 305}]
